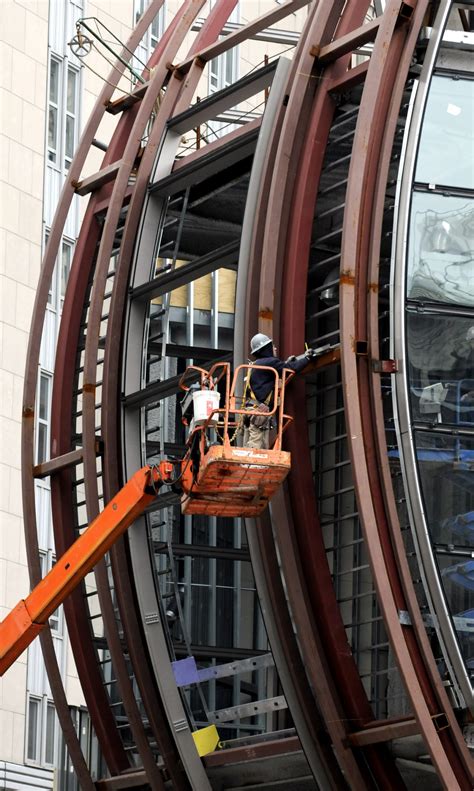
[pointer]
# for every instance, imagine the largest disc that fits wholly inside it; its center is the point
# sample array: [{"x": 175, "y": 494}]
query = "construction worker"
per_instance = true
[{"x": 261, "y": 387}]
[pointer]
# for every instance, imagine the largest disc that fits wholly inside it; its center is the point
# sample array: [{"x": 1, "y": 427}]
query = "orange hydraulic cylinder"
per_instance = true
[{"x": 30, "y": 615}]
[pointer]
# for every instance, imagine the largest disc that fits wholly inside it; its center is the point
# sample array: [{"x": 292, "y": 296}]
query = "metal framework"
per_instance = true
[{"x": 297, "y": 199}]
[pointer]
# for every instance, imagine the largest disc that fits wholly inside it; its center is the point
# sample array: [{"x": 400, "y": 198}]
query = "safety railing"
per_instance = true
[{"x": 235, "y": 404}]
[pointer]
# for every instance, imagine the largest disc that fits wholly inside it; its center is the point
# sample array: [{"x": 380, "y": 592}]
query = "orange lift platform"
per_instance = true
[{"x": 220, "y": 478}]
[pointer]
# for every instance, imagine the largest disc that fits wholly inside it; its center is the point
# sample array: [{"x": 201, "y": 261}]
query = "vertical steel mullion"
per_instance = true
[
  {"x": 187, "y": 572},
  {"x": 237, "y": 610},
  {"x": 212, "y": 631},
  {"x": 190, "y": 318},
  {"x": 215, "y": 309}
]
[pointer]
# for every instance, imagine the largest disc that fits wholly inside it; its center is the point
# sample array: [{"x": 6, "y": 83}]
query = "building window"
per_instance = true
[
  {"x": 42, "y": 426},
  {"x": 53, "y": 110},
  {"x": 47, "y": 561},
  {"x": 33, "y": 747},
  {"x": 65, "y": 267},
  {"x": 223, "y": 71},
  {"x": 41, "y": 731},
  {"x": 62, "y": 111},
  {"x": 71, "y": 115},
  {"x": 57, "y": 292},
  {"x": 151, "y": 37},
  {"x": 50, "y": 734}
]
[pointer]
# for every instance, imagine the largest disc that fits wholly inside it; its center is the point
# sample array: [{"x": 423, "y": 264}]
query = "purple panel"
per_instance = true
[{"x": 185, "y": 671}]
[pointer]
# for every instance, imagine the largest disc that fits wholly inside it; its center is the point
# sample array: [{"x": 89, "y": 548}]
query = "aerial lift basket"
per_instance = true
[{"x": 222, "y": 479}]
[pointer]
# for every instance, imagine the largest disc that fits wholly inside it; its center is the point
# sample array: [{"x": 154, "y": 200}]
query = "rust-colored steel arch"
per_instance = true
[
  {"x": 286, "y": 244},
  {"x": 434, "y": 691},
  {"x": 62, "y": 400},
  {"x": 115, "y": 757},
  {"x": 355, "y": 285},
  {"x": 351, "y": 705}
]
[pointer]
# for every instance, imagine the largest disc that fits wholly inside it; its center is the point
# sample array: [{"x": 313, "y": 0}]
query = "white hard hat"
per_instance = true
[{"x": 259, "y": 341}]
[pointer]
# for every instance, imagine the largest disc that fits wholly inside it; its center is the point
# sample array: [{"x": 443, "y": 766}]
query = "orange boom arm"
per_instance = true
[{"x": 30, "y": 615}]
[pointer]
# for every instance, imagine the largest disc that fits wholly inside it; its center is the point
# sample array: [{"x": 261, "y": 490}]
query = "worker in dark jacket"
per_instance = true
[{"x": 262, "y": 385}]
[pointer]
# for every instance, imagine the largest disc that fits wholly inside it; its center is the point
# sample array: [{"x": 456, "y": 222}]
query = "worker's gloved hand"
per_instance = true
[{"x": 312, "y": 353}]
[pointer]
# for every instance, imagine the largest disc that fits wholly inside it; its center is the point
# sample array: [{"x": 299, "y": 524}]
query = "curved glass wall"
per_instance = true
[
  {"x": 441, "y": 252},
  {"x": 445, "y": 150},
  {"x": 439, "y": 340}
]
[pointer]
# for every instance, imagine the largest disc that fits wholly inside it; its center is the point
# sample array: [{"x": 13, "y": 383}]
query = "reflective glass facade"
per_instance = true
[{"x": 439, "y": 332}]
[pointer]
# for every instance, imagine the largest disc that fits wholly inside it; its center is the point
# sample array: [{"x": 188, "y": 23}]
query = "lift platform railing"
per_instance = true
[{"x": 237, "y": 397}]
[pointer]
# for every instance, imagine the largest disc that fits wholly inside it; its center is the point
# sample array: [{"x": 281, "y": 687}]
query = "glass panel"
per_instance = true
[
  {"x": 50, "y": 292},
  {"x": 441, "y": 249},
  {"x": 441, "y": 368},
  {"x": 33, "y": 716},
  {"x": 457, "y": 574},
  {"x": 71, "y": 91},
  {"x": 447, "y": 128},
  {"x": 52, "y": 133},
  {"x": 42, "y": 443},
  {"x": 50, "y": 733},
  {"x": 229, "y": 67},
  {"x": 446, "y": 464},
  {"x": 69, "y": 151},
  {"x": 139, "y": 9},
  {"x": 54, "y": 81},
  {"x": 44, "y": 397},
  {"x": 65, "y": 266},
  {"x": 155, "y": 30}
]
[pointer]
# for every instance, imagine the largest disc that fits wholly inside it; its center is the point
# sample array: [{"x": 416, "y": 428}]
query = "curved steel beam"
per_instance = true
[
  {"x": 446, "y": 633},
  {"x": 276, "y": 216},
  {"x": 29, "y": 392},
  {"x": 435, "y": 692},
  {"x": 168, "y": 150},
  {"x": 381, "y": 74},
  {"x": 112, "y": 374},
  {"x": 261, "y": 544},
  {"x": 90, "y": 373}
]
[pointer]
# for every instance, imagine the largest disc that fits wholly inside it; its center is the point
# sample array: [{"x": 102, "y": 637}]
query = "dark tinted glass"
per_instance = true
[
  {"x": 441, "y": 369},
  {"x": 446, "y": 466}
]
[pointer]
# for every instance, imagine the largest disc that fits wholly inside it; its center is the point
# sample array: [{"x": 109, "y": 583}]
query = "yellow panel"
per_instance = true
[{"x": 206, "y": 740}]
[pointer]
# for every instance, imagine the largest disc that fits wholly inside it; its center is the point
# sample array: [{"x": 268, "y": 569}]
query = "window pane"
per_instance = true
[
  {"x": 54, "y": 81},
  {"x": 447, "y": 128},
  {"x": 69, "y": 137},
  {"x": 457, "y": 574},
  {"x": 155, "y": 30},
  {"x": 71, "y": 91},
  {"x": 52, "y": 133},
  {"x": 444, "y": 466},
  {"x": 229, "y": 67},
  {"x": 42, "y": 443},
  {"x": 65, "y": 266},
  {"x": 441, "y": 369},
  {"x": 441, "y": 249},
  {"x": 50, "y": 733},
  {"x": 44, "y": 397},
  {"x": 33, "y": 717}
]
